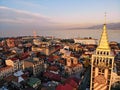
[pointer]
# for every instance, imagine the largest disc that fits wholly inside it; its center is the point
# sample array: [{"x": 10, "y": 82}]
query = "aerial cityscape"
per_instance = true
[{"x": 59, "y": 45}]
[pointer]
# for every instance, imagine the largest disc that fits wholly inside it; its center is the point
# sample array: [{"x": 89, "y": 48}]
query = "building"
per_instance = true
[
  {"x": 72, "y": 65},
  {"x": 35, "y": 65},
  {"x": 10, "y": 42},
  {"x": 17, "y": 79},
  {"x": 86, "y": 41},
  {"x": 16, "y": 63},
  {"x": 102, "y": 64},
  {"x": 45, "y": 49},
  {"x": 34, "y": 82}
]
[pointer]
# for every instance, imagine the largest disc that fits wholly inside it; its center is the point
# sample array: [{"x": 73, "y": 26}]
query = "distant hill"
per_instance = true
[{"x": 113, "y": 26}]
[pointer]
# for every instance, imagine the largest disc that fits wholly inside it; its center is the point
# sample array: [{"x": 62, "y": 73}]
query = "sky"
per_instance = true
[{"x": 55, "y": 14}]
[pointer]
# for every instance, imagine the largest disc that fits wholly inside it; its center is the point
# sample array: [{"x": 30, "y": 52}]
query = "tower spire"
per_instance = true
[{"x": 103, "y": 43}]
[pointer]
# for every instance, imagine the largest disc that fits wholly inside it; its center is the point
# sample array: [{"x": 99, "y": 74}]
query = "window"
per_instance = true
[
  {"x": 107, "y": 53},
  {"x": 98, "y": 52},
  {"x": 102, "y": 70},
  {"x": 110, "y": 61},
  {"x": 97, "y": 61},
  {"x": 104, "y": 53}
]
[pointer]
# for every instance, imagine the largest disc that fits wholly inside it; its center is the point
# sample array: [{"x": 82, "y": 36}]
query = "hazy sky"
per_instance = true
[{"x": 55, "y": 14}]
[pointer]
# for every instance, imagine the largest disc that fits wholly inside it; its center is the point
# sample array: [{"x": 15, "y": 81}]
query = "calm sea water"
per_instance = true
[{"x": 113, "y": 35}]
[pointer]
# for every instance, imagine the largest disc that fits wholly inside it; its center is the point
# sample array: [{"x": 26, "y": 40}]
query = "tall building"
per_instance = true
[{"x": 102, "y": 64}]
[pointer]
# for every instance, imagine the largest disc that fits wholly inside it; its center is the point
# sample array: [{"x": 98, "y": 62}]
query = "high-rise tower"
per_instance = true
[{"x": 102, "y": 64}]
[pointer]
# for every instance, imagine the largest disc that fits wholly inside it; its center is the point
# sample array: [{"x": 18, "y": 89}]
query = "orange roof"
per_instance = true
[
  {"x": 4, "y": 68},
  {"x": 55, "y": 57}
]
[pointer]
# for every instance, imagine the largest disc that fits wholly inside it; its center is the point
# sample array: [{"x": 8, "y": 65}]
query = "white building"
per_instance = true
[{"x": 86, "y": 41}]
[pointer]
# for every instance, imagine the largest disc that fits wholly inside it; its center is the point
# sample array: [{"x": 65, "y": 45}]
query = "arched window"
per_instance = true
[
  {"x": 97, "y": 61},
  {"x": 110, "y": 61},
  {"x": 97, "y": 52},
  {"x": 100, "y": 59},
  {"x": 104, "y": 53},
  {"x": 103, "y": 59}
]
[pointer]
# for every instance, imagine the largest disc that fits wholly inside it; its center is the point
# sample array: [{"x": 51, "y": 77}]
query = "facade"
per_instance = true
[
  {"x": 72, "y": 65},
  {"x": 102, "y": 64},
  {"x": 47, "y": 50},
  {"x": 35, "y": 65}
]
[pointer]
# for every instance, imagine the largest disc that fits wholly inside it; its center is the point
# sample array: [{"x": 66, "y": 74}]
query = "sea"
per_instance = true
[{"x": 113, "y": 35}]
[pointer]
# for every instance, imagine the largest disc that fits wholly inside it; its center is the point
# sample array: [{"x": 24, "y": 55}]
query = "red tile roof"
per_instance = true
[
  {"x": 76, "y": 79},
  {"x": 53, "y": 68},
  {"x": 52, "y": 76},
  {"x": 62, "y": 61},
  {"x": 24, "y": 56},
  {"x": 64, "y": 87},
  {"x": 13, "y": 59},
  {"x": 72, "y": 82},
  {"x": 50, "y": 59},
  {"x": 14, "y": 78}
]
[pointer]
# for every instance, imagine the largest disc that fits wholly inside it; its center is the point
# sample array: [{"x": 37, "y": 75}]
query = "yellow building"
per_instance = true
[{"x": 102, "y": 64}]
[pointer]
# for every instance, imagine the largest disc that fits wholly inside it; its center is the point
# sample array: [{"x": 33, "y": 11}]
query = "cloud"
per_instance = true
[
  {"x": 15, "y": 22},
  {"x": 20, "y": 16}
]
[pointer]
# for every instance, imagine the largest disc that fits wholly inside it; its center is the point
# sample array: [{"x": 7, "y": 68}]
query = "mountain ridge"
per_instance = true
[{"x": 111, "y": 26}]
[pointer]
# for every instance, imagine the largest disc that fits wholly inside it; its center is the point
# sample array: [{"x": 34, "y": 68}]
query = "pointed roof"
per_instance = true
[{"x": 103, "y": 43}]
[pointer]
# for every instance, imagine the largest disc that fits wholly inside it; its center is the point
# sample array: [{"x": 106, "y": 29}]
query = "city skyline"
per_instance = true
[
  {"x": 59, "y": 45},
  {"x": 55, "y": 14}
]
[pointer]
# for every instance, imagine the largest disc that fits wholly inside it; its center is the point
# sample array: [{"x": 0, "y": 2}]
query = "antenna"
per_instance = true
[{"x": 105, "y": 18}]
